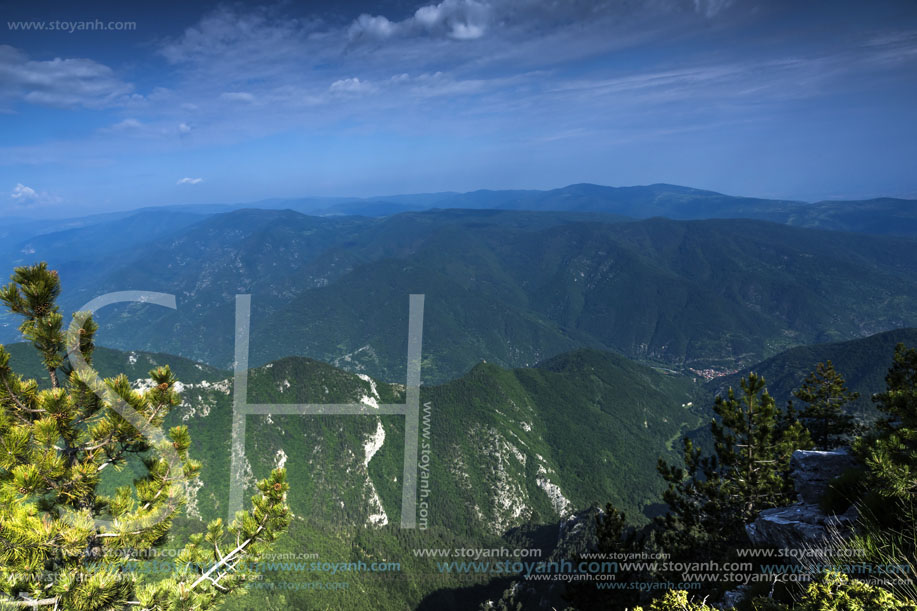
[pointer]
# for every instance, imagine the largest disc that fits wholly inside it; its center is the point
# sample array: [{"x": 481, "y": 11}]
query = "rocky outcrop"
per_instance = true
[
  {"x": 798, "y": 526},
  {"x": 804, "y": 524},
  {"x": 813, "y": 470},
  {"x": 733, "y": 597}
]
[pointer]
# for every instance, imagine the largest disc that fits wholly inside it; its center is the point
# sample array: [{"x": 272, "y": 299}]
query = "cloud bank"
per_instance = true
[{"x": 62, "y": 83}]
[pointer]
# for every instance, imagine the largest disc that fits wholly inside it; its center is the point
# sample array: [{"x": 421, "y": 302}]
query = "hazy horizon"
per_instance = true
[{"x": 43, "y": 213}]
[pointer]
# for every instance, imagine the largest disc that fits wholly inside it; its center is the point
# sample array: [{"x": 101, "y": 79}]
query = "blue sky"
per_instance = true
[{"x": 229, "y": 102}]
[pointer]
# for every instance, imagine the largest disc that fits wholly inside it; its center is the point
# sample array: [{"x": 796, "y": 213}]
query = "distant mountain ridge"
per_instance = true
[
  {"x": 512, "y": 287},
  {"x": 881, "y": 215},
  {"x": 887, "y": 215}
]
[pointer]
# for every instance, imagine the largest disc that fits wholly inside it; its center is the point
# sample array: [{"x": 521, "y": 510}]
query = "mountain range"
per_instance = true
[
  {"x": 570, "y": 339},
  {"x": 882, "y": 215},
  {"x": 511, "y": 449},
  {"x": 514, "y": 288},
  {"x": 879, "y": 215}
]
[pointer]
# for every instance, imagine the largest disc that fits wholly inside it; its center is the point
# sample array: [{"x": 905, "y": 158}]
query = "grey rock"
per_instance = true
[
  {"x": 731, "y": 598},
  {"x": 802, "y": 526},
  {"x": 789, "y": 527},
  {"x": 813, "y": 470}
]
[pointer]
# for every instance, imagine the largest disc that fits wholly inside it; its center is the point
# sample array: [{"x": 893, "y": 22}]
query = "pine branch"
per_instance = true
[
  {"x": 16, "y": 400},
  {"x": 52, "y": 372},
  {"x": 30, "y": 602},
  {"x": 229, "y": 556}
]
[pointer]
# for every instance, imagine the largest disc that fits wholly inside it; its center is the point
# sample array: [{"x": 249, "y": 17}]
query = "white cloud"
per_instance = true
[
  {"x": 155, "y": 128},
  {"x": 438, "y": 84},
  {"x": 23, "y": 193},
  {"x": 238, "y": 96},
  {"x": 189, "y": 181},
  {"x": 710, "y": 8},
  {"x": 236, "y": 37},
  {"x": 533, "y": 20},
  {"x": 27, "y": 196},
  {"x": 457, "y": 19},
  {"x": 127, "y": 124},
  {"x": 242, "y": 60},
  {"x": 368, "y": 26},
  {"x": 59, "y": 82},
  {"x": 351, "y": 86},
  {"x": 466, "y": 31}
]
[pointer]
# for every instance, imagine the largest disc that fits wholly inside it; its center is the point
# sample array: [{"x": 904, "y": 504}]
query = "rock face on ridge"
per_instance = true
[
  {"x": 813, "y": 470},
  {"x": 798, "y": 526},
  {"x": 803, "y": 527},
  {"x": 804, "y": 524}
]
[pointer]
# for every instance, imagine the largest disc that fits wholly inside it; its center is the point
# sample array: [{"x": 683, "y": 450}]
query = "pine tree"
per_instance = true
[
  {"x": 713, "y": 497},
  {"x": 64, "y": 544},
  {"x": 615, "y": 539},
  {"x": 887, "y": 528},
  {"x": 890, "y": 455},
  {"x": 899, "y": 401},
  {"x": 825, "y": 393}
]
